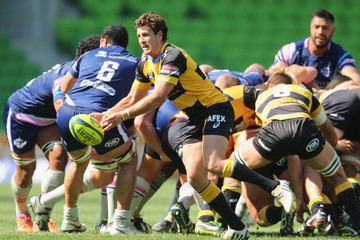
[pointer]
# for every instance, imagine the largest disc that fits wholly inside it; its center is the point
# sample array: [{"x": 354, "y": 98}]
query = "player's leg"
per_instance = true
[
  {"x": 50, "y": 144},
  {"x": 22, "y": 139}
]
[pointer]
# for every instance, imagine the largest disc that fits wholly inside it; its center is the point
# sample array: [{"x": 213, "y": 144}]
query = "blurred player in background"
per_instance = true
[{"x": 320, "y": 51}]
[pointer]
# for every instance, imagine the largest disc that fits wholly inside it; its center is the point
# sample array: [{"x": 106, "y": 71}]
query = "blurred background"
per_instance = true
[{"x": 36, "y": 34}]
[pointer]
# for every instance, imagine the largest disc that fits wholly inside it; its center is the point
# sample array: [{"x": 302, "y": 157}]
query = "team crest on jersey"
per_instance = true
[
  {"x": 19, "y": 143},
  {"x": 326, "y": 71}
]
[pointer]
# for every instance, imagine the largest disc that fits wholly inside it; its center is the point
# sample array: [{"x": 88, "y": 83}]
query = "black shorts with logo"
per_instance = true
[
  {"x": 288, "y": 137},
  {"x": 219, "y": 120}
]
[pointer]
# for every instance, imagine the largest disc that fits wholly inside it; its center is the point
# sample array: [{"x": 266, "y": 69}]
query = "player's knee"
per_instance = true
[
  {"x": 142, "y": 124},
  {"x": 47, "y": 147},
  {"x": 55, "y": 152},
  {"x": 20, "y": 161},
  {"x": 128, "y": 155},
  {"x": 109, "y": 166},
  {"x": 332, "y": 167},
  {"x": 84, "y": 157}
]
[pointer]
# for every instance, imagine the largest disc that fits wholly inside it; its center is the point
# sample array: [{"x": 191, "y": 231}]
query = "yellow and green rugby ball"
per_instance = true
[{"x": 86, "y": 129}]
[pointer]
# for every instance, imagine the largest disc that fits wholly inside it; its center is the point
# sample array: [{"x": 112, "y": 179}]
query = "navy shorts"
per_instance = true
[
  {"x": 22, "y": 136},
  {"x": 112, "y": 139}
]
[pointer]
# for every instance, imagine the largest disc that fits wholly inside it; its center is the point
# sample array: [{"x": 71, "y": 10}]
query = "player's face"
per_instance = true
[
  {"x": 321, "y": 31},
  {"x": 149, "y": 42}
]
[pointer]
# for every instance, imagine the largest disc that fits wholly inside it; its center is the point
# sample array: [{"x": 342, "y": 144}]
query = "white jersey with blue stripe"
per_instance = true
[
  {"x": 332, "y": 61},
  {"x": 104, "y": 76},
  {"x": 35, "y": 100}
]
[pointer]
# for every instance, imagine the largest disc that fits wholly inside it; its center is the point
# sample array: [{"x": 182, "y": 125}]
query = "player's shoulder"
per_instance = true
[
  {"x": 336, "y": 48},
  {"x": 172, "y": 51}
]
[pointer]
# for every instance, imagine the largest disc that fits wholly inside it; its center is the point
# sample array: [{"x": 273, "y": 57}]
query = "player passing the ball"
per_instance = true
[
  {"x": 96, "y": 81},
  {"x": 30, "y": 119}
]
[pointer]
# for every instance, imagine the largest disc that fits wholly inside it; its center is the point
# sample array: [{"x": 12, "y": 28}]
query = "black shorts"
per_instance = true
[
  {"x": 151, "y": 152},
  {"x": 288, "y": 137},
  {"x": 219, "y": 120},
  {"x": 276, "y": 168},
  {"x": 175, "y": 159},
  {"x": 170, "y": 151}
]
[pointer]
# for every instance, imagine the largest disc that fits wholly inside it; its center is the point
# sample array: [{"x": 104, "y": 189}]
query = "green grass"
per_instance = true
[{"x": 88, "y": 212}]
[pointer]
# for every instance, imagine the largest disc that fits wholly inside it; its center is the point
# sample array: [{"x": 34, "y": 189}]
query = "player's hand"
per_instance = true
[
  {"x": 97, "y": 115},
  {"x": 110, "y": 120},
  {"x": 344, "y": 146}
]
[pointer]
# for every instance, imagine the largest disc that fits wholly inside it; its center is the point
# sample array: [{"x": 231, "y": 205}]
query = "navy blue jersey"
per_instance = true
[
  {"x": 105, "y": 76},
  {"x": 34, "y": 102},
  {"x": 250, "y": 78},
  {"x": 332, "y": 61},
  {"x": 164, "y": 115}
]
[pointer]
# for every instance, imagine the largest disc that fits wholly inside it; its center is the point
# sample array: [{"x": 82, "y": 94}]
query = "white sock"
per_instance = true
[
  {"x": 71, "y": 213},
  {"x": 140, "y": 191},
  {"x": 49, "y": 199},
  {"x": 103, "y": 205},
  {"x": 52, "y": 180},
  {"x": 121, "y": 218},
  {"x": 20, "y": 196},
  {"x": 111, "y": 198},
  {"x": 186, "y": 195}
]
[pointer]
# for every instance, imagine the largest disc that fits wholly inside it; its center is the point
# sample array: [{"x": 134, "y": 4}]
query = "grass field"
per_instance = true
[{"x": 89, "y": 209}]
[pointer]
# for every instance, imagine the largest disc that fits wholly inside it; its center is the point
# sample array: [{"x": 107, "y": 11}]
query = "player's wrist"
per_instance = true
[
  {"x": 125, "y": 115},
  {"x": 337, "y": 146}
]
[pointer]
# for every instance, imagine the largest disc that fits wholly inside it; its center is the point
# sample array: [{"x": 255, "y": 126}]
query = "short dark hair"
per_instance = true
[
  {"x": 87, "y": 44},
  {"x": 154, "y": 21},
  {"x": 117, "y": 35},
  {"x": 336, "y": 80},
  {"x": 280, "y": 78},
  {"x": 325, "y": 14}
]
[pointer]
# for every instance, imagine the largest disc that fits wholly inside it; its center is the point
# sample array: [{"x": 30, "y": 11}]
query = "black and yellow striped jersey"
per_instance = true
[
  {"x": 194, "y": 92},
  {"x": 288, "y": 101},
  {"x": 242, "y": 99}
]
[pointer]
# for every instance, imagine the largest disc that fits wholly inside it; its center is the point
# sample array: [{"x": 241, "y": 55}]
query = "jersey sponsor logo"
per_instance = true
[
  {"x": 19, "y": 143},
  {"x": 113, "y": 142},
  {"x": 170, "y": 70},
  {"x": 262, "y": 144},
  {"x": 218, "y": 119},
  {"x": 312, "y": 145},
  {"x": 99, "y": 85},
  {"x": 101, "y": 54}
]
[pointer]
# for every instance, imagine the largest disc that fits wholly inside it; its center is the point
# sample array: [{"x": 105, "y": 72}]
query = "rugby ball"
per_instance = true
[{"x": 86, "y": 129}]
